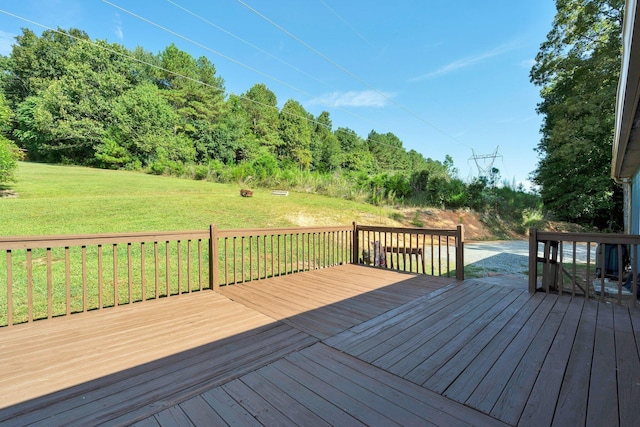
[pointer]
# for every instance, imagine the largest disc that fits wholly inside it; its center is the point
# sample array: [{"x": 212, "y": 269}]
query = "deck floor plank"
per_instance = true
[
  {"x": 571, "y": 406},
  {"x": 493, "y": 382},
  {"x": 413, "y": 332},
  {"x": 628, "y": 365},
  {"x": 603, "y": 372},
  {"x": 449, "y": 370},
  {"x": 452, "y": 344},
  {"x": 513, "y": 398},
  {"x": 347, "y": 345},
  {"x": 200, "y": 413},
  {"x": 483, "y": 310},
  {"x": 547, "y": 387},
  {"x": 476, "y": 370},
  {"x": 368, "y": 334}
]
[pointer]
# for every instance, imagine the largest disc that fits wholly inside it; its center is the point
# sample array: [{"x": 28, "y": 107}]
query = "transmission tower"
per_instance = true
[{"x": 484, "y": 162}]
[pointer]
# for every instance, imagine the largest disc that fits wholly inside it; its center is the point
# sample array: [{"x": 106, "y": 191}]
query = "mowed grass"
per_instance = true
[{"x": 55, "y": 199}]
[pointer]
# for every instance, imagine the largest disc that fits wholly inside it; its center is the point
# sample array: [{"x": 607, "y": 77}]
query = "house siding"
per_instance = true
[{"x": 635, "y": 204}]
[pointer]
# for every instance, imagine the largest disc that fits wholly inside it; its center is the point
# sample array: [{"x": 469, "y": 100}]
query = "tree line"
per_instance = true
[
  {"x": 73, "y": 100},
  {"x": 577, "y": 69}
]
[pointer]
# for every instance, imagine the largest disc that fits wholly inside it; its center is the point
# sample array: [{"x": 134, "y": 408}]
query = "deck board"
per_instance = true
[
  {"x": 325, "y": 302},
  {"x": 348, "y": 345},
  {"x": 549, "y": 381}
]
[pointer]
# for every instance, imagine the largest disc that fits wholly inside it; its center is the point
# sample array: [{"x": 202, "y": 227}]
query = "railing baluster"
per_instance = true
[
  {"x": 242, "y": 259},
  {"x": 199, "y": 264},
  {"x": 9, "y": 288},
  {"x": 189, "y": 266},
  {"x": 67, "y": 280},
  {"x": 167, "y": 252},
  {"x": 85, "y": 299},
  {"x": 179, "y": 249},
  {"x": 29, "y": 285},
  {"x": 100, "y": 296},
  {"x": 143, "y": 267},
  {"x": 559, "y": 268},
  {"x": 448, "y": 259},
  {"x": 226, "y": 262},
  {"x": 620, "y": 270},
  {"x": 49, "y": 284},
  {"x": 115, "y": 275},
  {"x": 234, "y": 260},
  {"x": 157, "y": 268},
  {"x": 285, "y": 254},
  {"x": 129, "y": 273},
  {"x": 588, "y": 280},
  {"x": 634, "y": 274}
]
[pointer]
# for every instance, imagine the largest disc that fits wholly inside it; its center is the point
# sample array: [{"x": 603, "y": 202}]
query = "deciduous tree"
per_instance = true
[{"x": 577, "y": 69}]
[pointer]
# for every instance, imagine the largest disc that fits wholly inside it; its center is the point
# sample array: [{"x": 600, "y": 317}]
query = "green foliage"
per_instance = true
[
  {"x": 577, "y": 69},
  {"x": 8, "y": 160},
  {"x": 295, "y": 134},
  {"x": 92, "y": 103},
  {"x": 9, "y": 153},
  {"x": 416, "y": 221}
]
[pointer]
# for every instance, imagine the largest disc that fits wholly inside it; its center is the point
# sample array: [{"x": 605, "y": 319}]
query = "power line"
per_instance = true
[
  {"x": 231, "y": 59},
  {"x": 349, "y": 73},
  {"x": 215, "y": 88},
  {"x": 259, "y": 49}
]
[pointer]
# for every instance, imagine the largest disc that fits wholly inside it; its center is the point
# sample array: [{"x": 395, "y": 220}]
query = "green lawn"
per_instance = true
[{"x": 55, "y": 199}]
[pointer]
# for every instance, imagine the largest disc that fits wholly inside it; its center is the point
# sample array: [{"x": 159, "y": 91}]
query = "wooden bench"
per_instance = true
[{"x": 405, "y": 251}]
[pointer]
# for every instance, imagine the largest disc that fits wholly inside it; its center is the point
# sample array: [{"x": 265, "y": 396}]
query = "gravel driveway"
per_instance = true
[{"x": 509, "y": 257}]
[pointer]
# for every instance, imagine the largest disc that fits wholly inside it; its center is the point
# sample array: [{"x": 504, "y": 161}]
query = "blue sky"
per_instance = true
[{"x": 446, "y": 77}]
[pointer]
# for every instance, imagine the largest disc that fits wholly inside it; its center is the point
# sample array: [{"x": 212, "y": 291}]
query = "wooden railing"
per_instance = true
[
  {"x": 418, "y": 250},
  {"x": 55, "y": 276},
  {"x": 58, "y": 275},
  {"x": 244, "y": 255},
  {"x": 594, "y": 265}
]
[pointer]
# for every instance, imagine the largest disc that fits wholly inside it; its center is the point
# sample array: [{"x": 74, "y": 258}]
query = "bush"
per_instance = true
[{"x": 9, "y": 155}]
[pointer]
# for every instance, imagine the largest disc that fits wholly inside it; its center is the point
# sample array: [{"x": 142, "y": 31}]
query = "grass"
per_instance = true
[
  {"x": 55, "y": 199},
  {"x": 64, "y": 200}
]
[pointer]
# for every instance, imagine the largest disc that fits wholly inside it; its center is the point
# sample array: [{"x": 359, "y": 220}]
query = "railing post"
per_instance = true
[
  {"x": 213, "y": 258},
  {"x": 533, "y": 259},
  {"x": 460, "y": 252},
  {"x": 355, "y": 245}
]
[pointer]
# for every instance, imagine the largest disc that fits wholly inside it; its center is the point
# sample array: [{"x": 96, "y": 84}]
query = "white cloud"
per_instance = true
[
  {"x": 6, "y": 41},
  {"x": 466, "y": 62},
  {"x": 119, "y": 32},
  {"x": 528, "y": 63},
  {"x": 366, "y": 98}
]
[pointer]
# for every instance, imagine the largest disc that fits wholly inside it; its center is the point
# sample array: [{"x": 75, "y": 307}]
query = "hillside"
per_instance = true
[{"x": 53, "y": 199}]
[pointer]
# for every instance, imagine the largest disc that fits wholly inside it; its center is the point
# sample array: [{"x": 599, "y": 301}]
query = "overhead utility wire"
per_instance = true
[
  {"x": 215, "y": 52},
  {"x": 259, "y": 49},
  {"x": 222, "y": 91},
  {"x": 235, "y": 61},
  {"x": 345, "y": 22},
  {"x": 140, "y": 61},
  {"x": 346, "y": 71}
]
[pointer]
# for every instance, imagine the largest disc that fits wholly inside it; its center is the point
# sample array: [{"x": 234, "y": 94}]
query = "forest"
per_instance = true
[{"x": 66, "y": 98}]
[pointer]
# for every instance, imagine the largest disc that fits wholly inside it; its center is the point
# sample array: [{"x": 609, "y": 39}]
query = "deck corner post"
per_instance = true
[
  {"x": 460, "y": 252},
  {"x": 355, "y": 245},
  {"x": 533, "y": 259},
  {"x": 214, "y": 282}
]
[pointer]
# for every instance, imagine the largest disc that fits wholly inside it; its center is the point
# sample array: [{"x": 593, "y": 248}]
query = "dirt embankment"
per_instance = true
[{"x": 474, "y": 228}]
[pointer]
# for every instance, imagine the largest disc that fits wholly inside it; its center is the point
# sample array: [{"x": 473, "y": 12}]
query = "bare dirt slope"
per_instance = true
[{"x": 474, "y": 229}]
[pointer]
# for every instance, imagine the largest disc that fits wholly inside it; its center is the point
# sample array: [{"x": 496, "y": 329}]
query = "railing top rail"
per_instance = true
[
  {"x": 35, "y": 242},
  {"x": 610, "y": 238},
  {"x": 434, "y": 231},
  {"x": 280, "y": 231}
]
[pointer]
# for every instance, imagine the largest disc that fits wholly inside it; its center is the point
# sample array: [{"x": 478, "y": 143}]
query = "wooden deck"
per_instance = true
[{"x": 348, "y": 345}]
